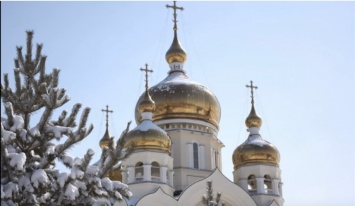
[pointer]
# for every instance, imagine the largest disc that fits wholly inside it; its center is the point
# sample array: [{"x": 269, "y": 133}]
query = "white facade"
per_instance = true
[
  {"x": 154, "y": 176},
  {"x": 196, "y": 150}
]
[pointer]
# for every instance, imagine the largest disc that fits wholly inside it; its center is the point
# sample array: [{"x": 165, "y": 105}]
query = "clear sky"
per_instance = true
[{"x": 299, "y": 54}]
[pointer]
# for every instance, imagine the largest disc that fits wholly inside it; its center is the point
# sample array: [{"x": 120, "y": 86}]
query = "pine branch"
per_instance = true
[
  {"x": 84, "y": 118},
  {"x": 69, "y": 122},
  {"x": 38, "y": 56},
  {"x": 20, "y": 58},
  {"x": 18, "y": 81},
  {"x": 87, "y": 158},
  {"x": 55, "y": 78},
  {"x": 29, "y": 45},
  {"x": 10, "y": 113}
]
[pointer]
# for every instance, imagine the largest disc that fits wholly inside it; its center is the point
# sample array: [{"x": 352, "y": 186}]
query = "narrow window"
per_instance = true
[
  {"x": 216, "y": 158},
  {"x": 155, "y": 170},
  {"x": 139, "y": 171},
  {"x": 195, "y": 154},
  {"x": 267, "y": 184},
  {"x": 252, "y": 184}
]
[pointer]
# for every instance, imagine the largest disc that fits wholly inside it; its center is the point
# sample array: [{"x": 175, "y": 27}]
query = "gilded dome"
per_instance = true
[
  {"x": 146, "y": 104},
  {"x": 179, "y": 97},
  {"x": 255, "y": 150},
  {"x": 149, "y": 136},
  {"x": 175, "y": 53},
  {"x": 106, "y": 140},
  {"x": 253, "y": 120}
]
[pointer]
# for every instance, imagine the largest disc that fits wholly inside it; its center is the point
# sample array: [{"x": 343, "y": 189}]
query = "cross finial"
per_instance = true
[
  {"x": 146, "y": 75},
  {"x": 251, "y": 86},
  {"x": 107, "y": 111},
  {"x": 174, "y": 7}
]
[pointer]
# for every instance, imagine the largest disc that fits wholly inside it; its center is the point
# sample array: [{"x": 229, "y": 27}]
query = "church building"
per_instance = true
[{"x": 176, "y": 150}]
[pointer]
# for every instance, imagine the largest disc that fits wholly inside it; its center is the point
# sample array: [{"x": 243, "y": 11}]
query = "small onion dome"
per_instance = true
[
  {"x": 148, "y": 136},
  {"x": 105, "y": 140},
  {"x": 253, "y": 120},
  {"x": 146, "y": 104},
  {"x": 256, "y": 150},
  {"x": 175, "y": 53},
  {"x": 178, "y": 97}
]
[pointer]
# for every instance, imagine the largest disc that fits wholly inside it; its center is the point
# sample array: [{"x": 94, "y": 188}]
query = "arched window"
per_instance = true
[
  {"x": 195, "y": 154},
  {"x": 267, "y": 184},
  {"x": 155, "y": 172},
  {"x": 139, "y": 171},
  {"x": 252, "y": 184}
]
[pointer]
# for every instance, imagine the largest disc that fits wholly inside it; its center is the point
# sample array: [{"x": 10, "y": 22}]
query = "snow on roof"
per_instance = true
[
  {"x": 256, "y": 139},
  {"x": 146, "y": 125},
  {"x": 175, "y": 78}
]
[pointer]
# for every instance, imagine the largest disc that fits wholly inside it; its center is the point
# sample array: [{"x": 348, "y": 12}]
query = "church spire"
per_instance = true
[
  {"x": 146, "y": 104},
  {"x": 253, "y": 120},
  {"x": 176, "y": 55},
  {"x": 106, "y": 139}
]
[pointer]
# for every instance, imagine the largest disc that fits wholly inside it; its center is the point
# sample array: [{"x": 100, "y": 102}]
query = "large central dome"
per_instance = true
[{"x": 179, "y": 97}]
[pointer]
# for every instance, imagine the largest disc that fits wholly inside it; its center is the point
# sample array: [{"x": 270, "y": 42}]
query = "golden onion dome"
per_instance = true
[
  {"x": 146, "y": 104},
  {"x": 175, "y": 53},
  {"x": 255, "y": 150},
  {"x": 148, "y": 136},
  {"x": 253, "y": 120},
  {"x": 179, "y": 97},
  {"x": 105, "y": 140}
]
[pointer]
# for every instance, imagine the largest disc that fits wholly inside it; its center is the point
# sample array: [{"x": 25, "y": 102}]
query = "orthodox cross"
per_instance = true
[
  {"x": 174, "y": 7},
  {"x": 146, "y": 75},
  {"x": 107, "y": 111},
  {"x": 251, "y": 86}
]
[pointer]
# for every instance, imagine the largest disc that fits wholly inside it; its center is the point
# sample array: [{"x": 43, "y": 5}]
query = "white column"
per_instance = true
[
  {"x": 275, "y": 187},
  {"x": 190, "y": 155},
  {"x": 280, "y": 188},
  {"x": 124, "y": 176},
  {"x": 171, "y": 178},
  {"x": 163, "y": 170},
  {"x": 260, "y": 185},
  {"x": 131, "y": 174},
  {"x": 201, "y": 157},
  {"x": 147, "y": 172}
]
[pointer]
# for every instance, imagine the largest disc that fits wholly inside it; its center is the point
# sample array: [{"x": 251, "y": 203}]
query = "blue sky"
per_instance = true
[{"x": 299, "y": 54}]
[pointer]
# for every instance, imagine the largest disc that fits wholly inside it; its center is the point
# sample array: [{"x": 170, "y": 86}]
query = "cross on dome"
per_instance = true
[
  {"x": 175, "y": 8},
  {"x": 251, "y": 86},
  {"x": 107, "y": 111},
  {"x": 146, "y": 75}
]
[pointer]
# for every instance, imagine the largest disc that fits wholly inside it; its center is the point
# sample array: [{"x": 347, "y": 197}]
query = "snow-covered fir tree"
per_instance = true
[
  {"x": 208, "y": 199},
  {"x": 29, "y": 151}
]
